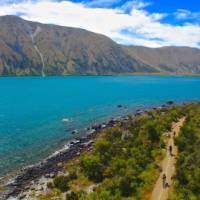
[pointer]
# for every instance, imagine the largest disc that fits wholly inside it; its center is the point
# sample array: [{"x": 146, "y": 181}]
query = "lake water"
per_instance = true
[{"x": 32, "y": 109}]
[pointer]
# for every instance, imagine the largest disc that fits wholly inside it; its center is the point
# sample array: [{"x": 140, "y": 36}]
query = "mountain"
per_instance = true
[
  {"x": 168, "y": 59},
  {"x": 32, "y": 48}
]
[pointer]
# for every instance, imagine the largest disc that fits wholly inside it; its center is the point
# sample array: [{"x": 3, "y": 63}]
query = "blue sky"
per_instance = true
[{"x": 152, "y": 23}]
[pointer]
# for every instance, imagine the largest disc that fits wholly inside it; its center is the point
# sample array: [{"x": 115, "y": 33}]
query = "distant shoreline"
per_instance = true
[{"x": 117, "y": 74}]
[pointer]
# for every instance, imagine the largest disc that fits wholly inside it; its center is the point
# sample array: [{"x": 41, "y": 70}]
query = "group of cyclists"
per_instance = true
[{"x": 164, "y": 177}]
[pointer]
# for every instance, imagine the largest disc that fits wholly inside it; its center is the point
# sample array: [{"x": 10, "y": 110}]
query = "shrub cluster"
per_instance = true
[{"x": 187, "y": 179}]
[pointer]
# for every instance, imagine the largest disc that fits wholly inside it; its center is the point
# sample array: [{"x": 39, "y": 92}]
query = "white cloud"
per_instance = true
[
  {"x": 144, "y": 28},
  {"x": 183, "y": 14}
]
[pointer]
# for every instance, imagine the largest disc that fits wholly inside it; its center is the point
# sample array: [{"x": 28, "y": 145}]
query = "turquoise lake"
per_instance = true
[{"x": 32, "y": 109}]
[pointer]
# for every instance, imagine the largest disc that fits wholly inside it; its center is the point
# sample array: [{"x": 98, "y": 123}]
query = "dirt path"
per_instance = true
[{"x": 168, "y": 165}]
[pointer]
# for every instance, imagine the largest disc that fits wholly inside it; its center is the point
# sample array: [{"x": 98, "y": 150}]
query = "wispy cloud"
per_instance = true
[
  {"x": 183, "y": 14},
  {"x": 128, "y": 6},
  {"x": 101, "y": 3},
  {"x": 4, "y": 2},
  {"x": 143, "y": 28}
]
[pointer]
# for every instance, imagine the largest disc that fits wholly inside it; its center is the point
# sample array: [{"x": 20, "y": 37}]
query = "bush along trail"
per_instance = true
[{"x": 186, "y": 184}]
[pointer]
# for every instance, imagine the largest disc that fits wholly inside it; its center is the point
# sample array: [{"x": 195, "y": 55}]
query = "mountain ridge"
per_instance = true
[
  {"x": 33, "y": 48},
  {"x": 168, "y": 58}
]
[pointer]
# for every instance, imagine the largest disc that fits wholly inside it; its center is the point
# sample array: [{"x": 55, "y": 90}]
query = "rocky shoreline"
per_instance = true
[{"x": 50, "y": 167}]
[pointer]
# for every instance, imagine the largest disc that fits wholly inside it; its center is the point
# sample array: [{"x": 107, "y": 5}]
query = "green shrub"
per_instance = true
[
  {"x": 187, "y": 179},
  {"x": 61, "y": 182},
  {"x": 50, "y": 185},
  {"x": 72, "y": 196},
  {"x": 72, "y": 175},
  {"x": 92, "y": 167}
]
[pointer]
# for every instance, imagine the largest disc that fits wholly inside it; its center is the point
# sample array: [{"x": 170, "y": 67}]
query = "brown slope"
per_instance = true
[
  {"x": 25, "y": 45},
  {"x": 168, "y": 59}
]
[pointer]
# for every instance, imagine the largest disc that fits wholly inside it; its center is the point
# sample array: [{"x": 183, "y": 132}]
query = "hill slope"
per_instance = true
[
  {"x": 31, "y": 48},
  {"x": 25, "y": 47},
  {"x": 168, "y": 59}
]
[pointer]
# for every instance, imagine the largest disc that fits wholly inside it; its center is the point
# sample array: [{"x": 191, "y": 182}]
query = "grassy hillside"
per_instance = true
[{"x": 179, "y": 60}]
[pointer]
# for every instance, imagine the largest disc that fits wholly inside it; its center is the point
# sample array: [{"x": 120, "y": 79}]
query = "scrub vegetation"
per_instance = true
[
  {"x": 187, "y": 179},
  {"x": 124, "y": 162}
]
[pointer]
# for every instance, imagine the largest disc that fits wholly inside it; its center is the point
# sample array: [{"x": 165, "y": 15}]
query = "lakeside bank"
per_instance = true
[{"x": 52, "y": 165}]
